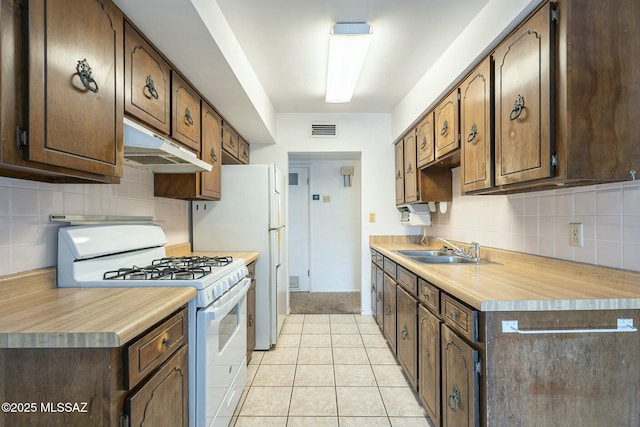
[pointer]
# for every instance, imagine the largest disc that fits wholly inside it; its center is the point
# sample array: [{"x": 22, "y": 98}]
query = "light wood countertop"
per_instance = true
[
  {"x": 184, "y": 249},
  {"x": 512, "y": 281}
]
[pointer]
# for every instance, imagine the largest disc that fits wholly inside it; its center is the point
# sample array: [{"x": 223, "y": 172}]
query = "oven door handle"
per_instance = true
[{"x": 222, "y": 306}]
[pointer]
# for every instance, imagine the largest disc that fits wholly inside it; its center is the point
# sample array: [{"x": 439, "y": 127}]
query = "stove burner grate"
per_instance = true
[{"x": 171, "y": 268}]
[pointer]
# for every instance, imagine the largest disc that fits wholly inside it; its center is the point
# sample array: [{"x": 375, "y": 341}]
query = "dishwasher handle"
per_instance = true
[{"x": 511, "y": 326}]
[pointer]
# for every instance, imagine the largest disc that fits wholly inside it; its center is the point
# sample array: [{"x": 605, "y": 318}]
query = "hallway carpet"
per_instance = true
[{"x": 324, "y": 302}]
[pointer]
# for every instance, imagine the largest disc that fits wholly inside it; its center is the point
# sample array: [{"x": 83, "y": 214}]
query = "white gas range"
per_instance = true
[{"x": 133, "y": 255}]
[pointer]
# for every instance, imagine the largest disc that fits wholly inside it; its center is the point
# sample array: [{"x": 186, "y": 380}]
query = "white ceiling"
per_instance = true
[{"x": 271, "y": 57}]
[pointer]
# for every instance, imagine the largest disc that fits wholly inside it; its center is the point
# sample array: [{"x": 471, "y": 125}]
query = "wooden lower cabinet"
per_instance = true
[
  {"x": 99, "y": 386},
  {"x": 389, "y": 301},
  {"x": 380, "y": 297},
  {"x": 406, "y": 334},
  {"x": 429, "y": 363},
  {"x": 460, "y": 381},
  {"x": 251, "y": 312}
]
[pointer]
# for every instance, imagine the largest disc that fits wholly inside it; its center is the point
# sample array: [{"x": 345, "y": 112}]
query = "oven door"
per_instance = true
[{"x": 221, "y": 348}]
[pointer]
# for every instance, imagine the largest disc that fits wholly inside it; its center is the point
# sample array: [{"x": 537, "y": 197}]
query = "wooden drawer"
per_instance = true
[
  {"x": 146, "y": 353},
  {"x": 243, "y": 151},
  {"x": 429, "y": 295},
  {"x": 407, "y": 280},
  {"x": 460, "y": 318},
  {"x": 389, "y": 267}
]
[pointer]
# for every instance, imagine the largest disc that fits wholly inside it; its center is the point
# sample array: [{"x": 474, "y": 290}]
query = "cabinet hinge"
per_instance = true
[
  {"x": 478, "y": 367},
  {"x": 554, "y": 14},
  {"x": 21, "y": 138},
  {"x": 554, "y": 160},
  {"x": 124, "y": 421}
]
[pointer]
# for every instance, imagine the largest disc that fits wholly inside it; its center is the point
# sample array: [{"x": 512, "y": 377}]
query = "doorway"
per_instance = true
[{"x": 299, "y": 247}]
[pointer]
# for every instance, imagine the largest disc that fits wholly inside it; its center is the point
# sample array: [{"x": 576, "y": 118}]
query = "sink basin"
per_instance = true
[
  {"x": 422, "y": 253},
  {"x": 443, "y": 259}
]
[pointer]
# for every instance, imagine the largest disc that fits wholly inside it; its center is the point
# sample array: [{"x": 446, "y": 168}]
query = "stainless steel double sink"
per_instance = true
[{"x": 441, "y": 256}]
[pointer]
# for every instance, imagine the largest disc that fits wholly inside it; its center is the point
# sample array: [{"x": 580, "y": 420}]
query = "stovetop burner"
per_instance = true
[{"x": 171, "y": 268}]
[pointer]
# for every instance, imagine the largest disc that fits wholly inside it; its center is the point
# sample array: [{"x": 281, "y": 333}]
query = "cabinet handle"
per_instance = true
[
  {"x": 405, "y": 333},
  {"x": 445, "y": 126},
  {"x": 518, "y": 106},
  {"x": 231, "y": 143},
  {"x": 409, "y": 169},
  {"x": 250, "y": 320},
  {"x": 214, "y": 158},
  {"x": 151, "y": 88},
  {"x": 474, "y": 132},
  {"x": 187, "y": 116},
  {"x": 425, "y": 296},
  {"x": 623, "y": 325},
  {"x": 399, "y": 175},
  {"x": 453, "y": 401},
  {"x": 379, "y": 297},
  {"x": 86, "y": 76},
  {"x": 453, "y": 314},
  {"x": 166, "y": 342},
  {"x": 388, "y": 310},
  {"x": 423, "y": 146}
]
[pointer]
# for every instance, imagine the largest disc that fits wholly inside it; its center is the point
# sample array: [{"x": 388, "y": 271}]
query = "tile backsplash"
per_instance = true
[
  {"x": 28, "y": 239},
  {"x": 538, "y": 222}
]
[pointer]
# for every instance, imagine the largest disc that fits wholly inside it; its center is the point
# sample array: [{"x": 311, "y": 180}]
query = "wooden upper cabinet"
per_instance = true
[
  {"x": 447, "y": 131},
  {"x": 147, "y": 82},
  {"x": 75, "y": 85},
  {"x": 229, "y": 140},
  {"x": 185, "y": 116},
  {"x": 211, "y": 151},
  {"x": 524, "y": 72},
  {"x": 411, "y": 171},
  {"x": 475, "y": 129},
  {"x": 425, "y": 141},
  {"x": 399, "y": 175},
  {"x": 244, "y": 151}
]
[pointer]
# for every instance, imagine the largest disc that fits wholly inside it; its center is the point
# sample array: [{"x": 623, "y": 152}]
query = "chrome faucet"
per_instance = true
[{"x": 473, "y": 250}]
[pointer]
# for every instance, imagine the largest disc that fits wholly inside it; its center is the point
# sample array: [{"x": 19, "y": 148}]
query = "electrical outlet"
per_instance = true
[
  {"x": 576, "y": 237},
  {"x": 326, "y": 199},
  {"x": 372, "y": 217}
]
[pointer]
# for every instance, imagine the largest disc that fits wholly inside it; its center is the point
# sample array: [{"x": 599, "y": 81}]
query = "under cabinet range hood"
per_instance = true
[{"x": 144, "y": 148}]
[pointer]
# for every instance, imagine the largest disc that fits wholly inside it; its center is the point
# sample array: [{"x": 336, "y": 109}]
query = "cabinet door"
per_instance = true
[
  {"x": 147, "y": 82},
  {"x": 389, "y": 299},
  {"x": 380, "y": 297},
  {"x": 229, "y": 140},
  {"x": 185, "y": 117},
  {"x": 406, "y": 334},
  {"x": 429, "y": 363},
  {"x": 447, "y": 126},
  {"x": 75, "y": 91},
  {"x": 374, "y": 289},
  {"x": 410, "y": 169},
  {"x": 243, "y": 151},
  {"x": 211, "y": 146},
  {"x": 459, "y": 381},
  {"x": 163, "y": 400},
  {"x": 524, "y": 95},
  {"x": 475, "y": 129},
  {"x": 425, "y": 141},
  {"x": 399, "y": 173}
]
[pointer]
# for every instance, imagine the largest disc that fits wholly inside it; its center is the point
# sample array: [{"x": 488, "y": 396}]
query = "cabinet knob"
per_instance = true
[
  {"x": 453, "y": 401},
  {"x": 187, "y": 117},
  {"x": 405, "y": 333},
  {"x": 474, "y": 133},
  {"x": 166, "y": 342},
  {"x": 453, "y": 314},
  {"x": 388, "y": 310},
  {"x": 518, "y": 106},
  {"x": 445, "y": 126},
  {"x": 425, "y": 296},
  {"x": 151, "y": 88},
  {"x": 86, "y": 76},
  {"x": 423, "y": 146}
]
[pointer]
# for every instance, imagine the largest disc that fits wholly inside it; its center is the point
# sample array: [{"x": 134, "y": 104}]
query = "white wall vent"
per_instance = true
[
  {"x": 294, "y": 282},
  {"x": 323, "y": 130}
]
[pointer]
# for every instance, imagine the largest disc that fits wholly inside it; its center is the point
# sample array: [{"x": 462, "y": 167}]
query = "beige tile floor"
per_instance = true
[{"x": 328, "y": 370}]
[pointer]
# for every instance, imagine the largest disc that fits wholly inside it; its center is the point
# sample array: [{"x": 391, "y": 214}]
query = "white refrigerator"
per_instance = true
[{"x": 249, "y": 217}]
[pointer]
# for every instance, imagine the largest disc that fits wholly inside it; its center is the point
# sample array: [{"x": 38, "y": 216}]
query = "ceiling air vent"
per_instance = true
[{"x": 323, "y": 129}]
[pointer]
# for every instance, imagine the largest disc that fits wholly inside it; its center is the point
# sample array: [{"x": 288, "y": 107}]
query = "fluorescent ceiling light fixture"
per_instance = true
[{"x": 348, "y": 45}]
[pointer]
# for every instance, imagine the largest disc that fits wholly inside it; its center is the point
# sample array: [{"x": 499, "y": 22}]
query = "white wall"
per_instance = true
[
  {"x": 28, "y": 240},
  {"x": 367, "y": 134},
  {"x": 538, "y": 222}
]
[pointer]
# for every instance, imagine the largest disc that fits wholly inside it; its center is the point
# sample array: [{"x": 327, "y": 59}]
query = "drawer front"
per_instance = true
[
  {"x": 148, "y": 352},
  {"x": 389, "y": 267},
  {"x": 407, "y": 280},
  {"x": 461, "y": 318},
  {"x": 229, "y": 140},
  {"x": 243, "y": 151},
  {"x": 429, "y": 295}
]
